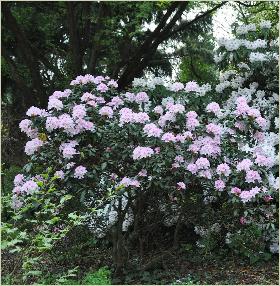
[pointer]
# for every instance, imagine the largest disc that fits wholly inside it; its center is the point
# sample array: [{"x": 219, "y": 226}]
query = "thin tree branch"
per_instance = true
[{"x": 186, "y": 24}]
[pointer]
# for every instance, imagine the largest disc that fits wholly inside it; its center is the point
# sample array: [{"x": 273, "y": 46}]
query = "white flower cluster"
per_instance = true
[
  {"x": 149, "y": 83},
  {"x": 109, "y": 216},
  {"x": 244, "y": 29},
  {"x": 235, "y": 44},
  {"x": 265, "y": 24}
]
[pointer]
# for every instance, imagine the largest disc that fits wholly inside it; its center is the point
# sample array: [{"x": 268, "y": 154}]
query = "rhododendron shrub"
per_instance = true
[{"x": 172, "y": 153}]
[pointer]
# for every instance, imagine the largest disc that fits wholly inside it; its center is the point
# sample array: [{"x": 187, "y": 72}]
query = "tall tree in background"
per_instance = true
[{"x": 45, "y": 44}]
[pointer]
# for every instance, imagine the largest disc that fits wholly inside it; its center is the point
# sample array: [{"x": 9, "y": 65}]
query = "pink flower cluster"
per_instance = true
[
  {"x": 223, "y": 169},
  {"x": 55, "y": 103},
  {"x": 23, "y": 186},
  {"x": 142, "y": 152},
  {"x": 68, "y": 149},
  {"x": 127, "y": 182},
  {"x": 26, "y": 126},
  {"x": 106, "y": 111},
  {"x": 79, "y": 111},
  {"x": 33, "y": 146},
  {"x": 192, "y": 122},
  {"x": 213, "y": 107},
  {"x": 151, "y": 130},
  {"x": 35, "y": 111},
  {"x": 191, "y": 86},
  {"x": 80, "y": 172},
  {"x": 128, "y": 116},
  {"x": 206, "y": 146},
  {"x": 214, "y": 129}
]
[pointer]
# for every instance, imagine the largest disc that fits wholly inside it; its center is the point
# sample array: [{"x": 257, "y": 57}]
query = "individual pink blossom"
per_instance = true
[
  {"x": 59, "y": 174},
  {"x": 141, "y": 117},
  {"x": 179, "y": 159},
  {"x": 253, "y": 112},
  {"x": 192, "y": 123},
  {"x": 52, "y": 123},
  {"x": 130, "y": 182},
  {"x": 33, "y": 146},
  {"x": 151, "y": 130},
  {"x": 177, "y": 108},
  {"x": 157, "y": 150},
  {"x": 168, "y": 137},
  {"x": 214, "y": 128},
  {"x": 263, "y": 161},
  {"x": 223, "y": 169},
  {"x": 142, "y": 173},
  {"x": 188, "y": 135},
  {"x": 80, "y": 172},
  {"x": 261, "y": 122},
  {"x": 87, "y": 97},
  {"x": 255, "y": 190},
  {"x": 68, "y": 149},
  {"x": 106, "y": 111},
  {"x": 126, "y": 115},
  {"x": 252, "y": 176},
  {"x": 29, "y": 187},
  {"x": 168, "y": 116},
  {"x": 219, "y": 185},
  {"x": 191, "y": 86},
  {"x": 113, "y": 176},
  {"x": 242, "y": 220},
  {"x": 141, "y": 97},
  {"x": 79, "y": 111},
  {"x": 158, "y": 109},
  {"x": 61, "y": 94},
  {"x": 55, "y": 103},
  {"x": 142, "y": 152},
  {"x": 66, "y": 121},
  {"x": 102, "y": 87},
  {"x": 213, "y": 107},
  {"x": 202, "y": 163},
  {"x": 86, "y": 125},
  {"x": 112, "y": 83},
  {"x": 192, "y": 168},
  {"x": 17, "y": 190},
  {"x": 92, "y": 103},
  {"x": 180, "y": 138},
  {"x": 18, "y": 180},
  {"x": 100, "y": 99},
  {"x": 259, "y": 136},
  {"x": 177, "y": 86},
  {"x": 34, "y": 111},
  {"x": 246, "y": 196},
  {"x": 26, "y": 126},
  {"x": 244, "y": 165},
  {"x": 181, "y": 186},
  {"x": 98, "y": 79},
  {"x": 175, "y": 166},
  {"x": 236, "y": 191},
  {"x": 191, "y": 114},
  {"x": 242, "y": 107},
  {"x": 115, "y": 102},
  {"x": 130, "y": 96},
  {"x": 205, "y": 174},
  {"x": 194, "y": 148}
]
